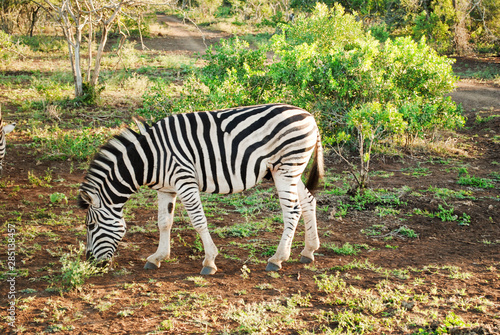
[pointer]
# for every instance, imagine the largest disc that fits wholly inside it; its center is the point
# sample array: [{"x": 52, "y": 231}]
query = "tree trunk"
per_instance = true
[
  {"x": 97, "y": 67},
  {"x": 33, "y": 20},
  {"x": 78, "y": 72},
  {"x": 461, "y": 34}
]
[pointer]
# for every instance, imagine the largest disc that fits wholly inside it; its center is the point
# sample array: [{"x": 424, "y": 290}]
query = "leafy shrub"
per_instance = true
[
  {"x": 75, "y": 271},
  {"x": 43, "y": 43},
  {"x": 436, "y": 28},
  {"x": 230, "y": 54},
  {"x": 380, "y": 32}
]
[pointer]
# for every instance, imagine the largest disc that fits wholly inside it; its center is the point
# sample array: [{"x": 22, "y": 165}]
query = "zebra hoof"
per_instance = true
[
  {"x": 208, "y": 271},
  {"x": 305, "y": 260},
  {"x": 272, "y": 267},
  {"x": 150, "y": 266}
]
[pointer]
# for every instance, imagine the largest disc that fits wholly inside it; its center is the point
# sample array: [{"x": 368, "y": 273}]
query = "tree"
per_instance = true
[{"x": 78, "y": 20}]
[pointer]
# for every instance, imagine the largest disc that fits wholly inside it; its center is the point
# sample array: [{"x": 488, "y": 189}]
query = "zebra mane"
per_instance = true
[{"x": 111, "y": 151}]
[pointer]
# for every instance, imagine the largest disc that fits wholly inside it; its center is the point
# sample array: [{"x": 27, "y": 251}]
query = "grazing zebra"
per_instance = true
[
  {"x": 4, "y": 131},
  {"x": 225, "y": 151}
]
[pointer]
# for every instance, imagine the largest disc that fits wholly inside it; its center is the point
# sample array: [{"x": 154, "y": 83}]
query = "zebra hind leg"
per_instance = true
[
  {"x": 308, "y": 205},
  {"x": 190, "y": 197},
  {"x": 166, "y": 204},
  {"x": 289, "y": 200}
]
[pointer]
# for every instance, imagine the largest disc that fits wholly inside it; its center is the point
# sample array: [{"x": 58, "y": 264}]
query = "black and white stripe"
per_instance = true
[
  {"x": 224, "y": 151},
  {"x": 4, "y": 131}
]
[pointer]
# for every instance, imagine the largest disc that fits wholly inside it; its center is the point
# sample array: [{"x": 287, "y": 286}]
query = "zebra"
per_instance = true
[
  {"x": 4, "y": 131},
  {"x": 224, "y": 151}
]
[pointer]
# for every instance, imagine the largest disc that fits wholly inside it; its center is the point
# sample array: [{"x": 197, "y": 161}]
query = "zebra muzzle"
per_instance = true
[{"x": 99, "y": 263}]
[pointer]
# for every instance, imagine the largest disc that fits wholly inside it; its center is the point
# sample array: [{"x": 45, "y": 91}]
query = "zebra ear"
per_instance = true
[
  {"x": 141, "y": 124},
  {"x": 7, "y": 129},
  {"x": 87, "y": 199}
]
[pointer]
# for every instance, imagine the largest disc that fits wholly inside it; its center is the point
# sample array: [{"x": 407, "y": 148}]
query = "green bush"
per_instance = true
[
  {"x": 234, "y": 54},
  {"x": 438, "y": 31},
  {"x": 43, "y": 43},
  {"x": 75, "y": 271}
]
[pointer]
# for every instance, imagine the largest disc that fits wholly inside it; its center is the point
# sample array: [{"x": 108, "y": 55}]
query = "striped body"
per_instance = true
[
  {"x": 223, "y": 151},
  {"x": 4, "y": 131}
]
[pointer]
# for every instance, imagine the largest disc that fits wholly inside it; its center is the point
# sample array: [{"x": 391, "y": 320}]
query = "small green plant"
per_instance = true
[
  {"x": 125, "y": 313},
  {"x": 28, "y": 290},
  {"x": 452, "y": 321},
  {"x": 57, "y": 198},
  {"x": 330, "y": 284},
  {"x": 299, "y": 300},
  {"x": 341, "y": 210},
  {"x": 374, "y": 230},
  {"x": 198, "y": 281},
  {"x": 274, "y": 275},
  {"x": 264, "y": 286},
  {"x": 417, "y": 172},
  {"x": 346, "y": 249},
  {"x": 103, "y": 306},
  {"x": 269, "y": 250},
  {"x": 407, "y": 232},
  {"x": 385, "y": 211},
  {"x": 445, "y": 193},
  {"x": 495, "y": 176},
  {"x": 166, "y": 325},
  {"x": 245, "y": 272},
  {"x": 75, "y": 271},
  {"x": 197, "y": 245},
  {"x": 465, "y": 179},
  {"x": 37, "y": 181},
  {"x": 446, "y": 215}
]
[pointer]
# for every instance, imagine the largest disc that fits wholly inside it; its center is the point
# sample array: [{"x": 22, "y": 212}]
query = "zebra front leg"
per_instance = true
[
  {"x": 308, "y": 205},
  {"x": 192, "y": 202},
  {"x": 287, "y": 191},
  {"x": 166, "y": 204}
]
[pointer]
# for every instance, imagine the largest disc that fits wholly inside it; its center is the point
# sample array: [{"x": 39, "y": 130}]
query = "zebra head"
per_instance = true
[
  {"x": 4, "y": 131},
  {"x": 105, "y": 228}
]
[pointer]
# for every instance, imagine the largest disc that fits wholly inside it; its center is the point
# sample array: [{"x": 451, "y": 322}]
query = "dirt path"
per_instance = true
[
  {"x": 180, "y": 36},
  {"x": 475, "y": 96}
]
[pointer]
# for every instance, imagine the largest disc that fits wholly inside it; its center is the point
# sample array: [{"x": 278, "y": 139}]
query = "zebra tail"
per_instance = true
[{"x": 317, "y": 170}]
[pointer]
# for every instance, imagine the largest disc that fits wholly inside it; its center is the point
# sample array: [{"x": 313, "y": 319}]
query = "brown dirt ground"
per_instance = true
[{"x": 439, "y": 243}]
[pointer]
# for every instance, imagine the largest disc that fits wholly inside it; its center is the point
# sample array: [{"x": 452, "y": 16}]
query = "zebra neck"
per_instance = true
[{"x": 120, "y": 168}]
